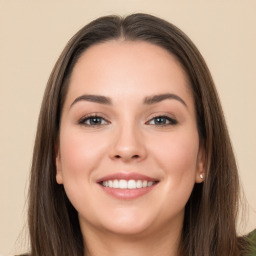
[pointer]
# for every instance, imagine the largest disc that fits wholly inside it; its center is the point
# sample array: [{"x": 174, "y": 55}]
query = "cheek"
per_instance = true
[
  {"x": 80, "y": 152},
  {"x": 178, "y": 154},
  {"x": 81, "y": 155},
  {"x": 177, "y": 157}
]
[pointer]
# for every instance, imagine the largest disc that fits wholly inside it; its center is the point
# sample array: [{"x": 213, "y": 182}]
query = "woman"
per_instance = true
[{"x": 132, "y": 154}]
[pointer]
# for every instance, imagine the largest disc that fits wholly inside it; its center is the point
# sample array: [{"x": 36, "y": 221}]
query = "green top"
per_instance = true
[{"x": 251, "y": 238}]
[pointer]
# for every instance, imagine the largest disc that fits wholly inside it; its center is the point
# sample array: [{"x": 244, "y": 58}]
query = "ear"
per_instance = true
[
  {"x": 59, "y": 177},
  {"x": 201, "y": 164}
]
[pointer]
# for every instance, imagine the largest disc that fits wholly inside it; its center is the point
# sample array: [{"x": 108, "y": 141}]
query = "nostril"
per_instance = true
[{"x": 133, "y": 157}]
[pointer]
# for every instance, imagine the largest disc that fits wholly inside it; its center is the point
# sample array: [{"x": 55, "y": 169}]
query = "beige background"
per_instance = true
[{"x": 32, "y": 35}]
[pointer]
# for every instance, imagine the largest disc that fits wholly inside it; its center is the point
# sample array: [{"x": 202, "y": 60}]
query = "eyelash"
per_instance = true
[
  {"x": 90, "y": 118},
  {"x": 168, "y": 121}
]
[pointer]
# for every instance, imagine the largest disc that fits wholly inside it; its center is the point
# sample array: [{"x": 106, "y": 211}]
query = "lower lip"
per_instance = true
[{"x": 127, "y": 194}]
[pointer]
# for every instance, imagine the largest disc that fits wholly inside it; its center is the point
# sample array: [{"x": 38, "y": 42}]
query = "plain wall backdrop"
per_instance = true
[{"x": 33, "y": 34}]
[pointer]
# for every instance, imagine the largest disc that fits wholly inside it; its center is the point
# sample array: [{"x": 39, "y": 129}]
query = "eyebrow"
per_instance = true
[
  {"x": 147, "y": 101},
  {"x": 158, "y": 98},
  {"x": 93, "y": 98}
]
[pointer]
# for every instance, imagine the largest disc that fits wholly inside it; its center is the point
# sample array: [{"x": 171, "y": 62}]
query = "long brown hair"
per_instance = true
[{"x": 210, "y": 214}]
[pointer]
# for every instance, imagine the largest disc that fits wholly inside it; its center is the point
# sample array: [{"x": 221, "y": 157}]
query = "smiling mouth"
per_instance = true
[{"x": 127, "y": 184}]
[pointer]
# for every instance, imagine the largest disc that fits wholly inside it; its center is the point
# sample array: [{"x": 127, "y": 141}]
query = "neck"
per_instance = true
[{"x": 162, "y": 243}]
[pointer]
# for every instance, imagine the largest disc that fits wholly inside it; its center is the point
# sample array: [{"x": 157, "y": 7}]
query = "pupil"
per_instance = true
[
  {"x": 160, "y": 120},
  {"x": 95, "y": 120}
]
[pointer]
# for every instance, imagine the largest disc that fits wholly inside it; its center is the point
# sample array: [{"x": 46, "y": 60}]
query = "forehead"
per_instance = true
[{"x": 128, "y": 68}]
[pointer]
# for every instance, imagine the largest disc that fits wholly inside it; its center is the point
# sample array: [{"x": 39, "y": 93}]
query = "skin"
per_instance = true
[{"x": 128, "y": 139}]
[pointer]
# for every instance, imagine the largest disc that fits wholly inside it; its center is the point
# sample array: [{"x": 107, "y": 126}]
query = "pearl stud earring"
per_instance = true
[{"x": 201, "y": 176}]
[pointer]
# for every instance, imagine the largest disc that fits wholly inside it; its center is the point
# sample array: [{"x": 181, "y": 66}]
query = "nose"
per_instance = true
[{"x": 128, "y": 144}]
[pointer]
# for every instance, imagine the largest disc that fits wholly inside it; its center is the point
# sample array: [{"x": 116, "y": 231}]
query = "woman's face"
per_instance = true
[{"x": 129, "y": 152}]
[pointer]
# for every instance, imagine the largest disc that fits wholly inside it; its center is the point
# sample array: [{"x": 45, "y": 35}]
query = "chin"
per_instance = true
[
  {"x": 126, "y": 222},
  {"x": 129, "y": 228}
]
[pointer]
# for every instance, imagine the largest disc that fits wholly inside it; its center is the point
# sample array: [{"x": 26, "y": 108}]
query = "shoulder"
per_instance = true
[{"x": 251, "y": 238}]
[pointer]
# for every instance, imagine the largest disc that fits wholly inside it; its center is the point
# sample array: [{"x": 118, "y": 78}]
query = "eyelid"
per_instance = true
[
  {"x": 172, "y": 120},
  {"x": 91, "y": 115}
]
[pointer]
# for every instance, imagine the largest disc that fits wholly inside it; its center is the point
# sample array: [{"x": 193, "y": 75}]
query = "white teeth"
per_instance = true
[
  {"x": 131, "y": 184},
  {"x": 139, "y": 184},
  {"x": 115, "y": 184},
  {"x": 127, "y": 184},
  {"x": 150, "y": 183},
  {"x": 123, "y": 184}
]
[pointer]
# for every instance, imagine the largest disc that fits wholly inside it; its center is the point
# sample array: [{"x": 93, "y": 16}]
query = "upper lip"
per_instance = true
[{"x": 125, "y": 176}]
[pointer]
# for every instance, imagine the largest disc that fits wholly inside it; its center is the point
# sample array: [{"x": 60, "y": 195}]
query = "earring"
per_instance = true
[{"x": 201, "y": 176}]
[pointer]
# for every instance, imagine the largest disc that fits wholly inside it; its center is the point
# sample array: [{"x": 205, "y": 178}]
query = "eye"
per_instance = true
[
  {"x": 93, "y": 120},
  {"x": 162, "y": 121}
]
